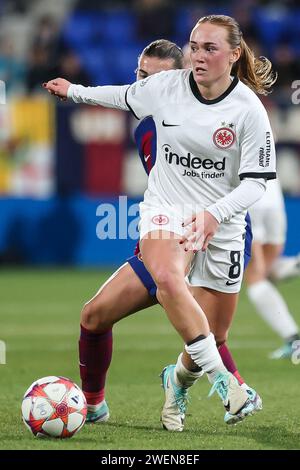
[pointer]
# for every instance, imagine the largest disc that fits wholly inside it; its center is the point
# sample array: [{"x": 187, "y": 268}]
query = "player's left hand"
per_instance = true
[{"x": 202, "y": 228}]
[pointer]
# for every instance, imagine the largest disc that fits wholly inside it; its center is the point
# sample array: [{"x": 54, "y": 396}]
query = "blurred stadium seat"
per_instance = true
[
  {"x": 82, "y": 29},
  {"x": 105, "y": 43},
  {"x": 123, "y": 62},
  {"x": 272, "y": 25},
  {"x": 119, "y": 27},
  {"x": 94, "y": 60}
]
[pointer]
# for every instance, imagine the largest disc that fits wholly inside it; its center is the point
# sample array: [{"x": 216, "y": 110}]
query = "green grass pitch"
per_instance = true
[{"x": 39, "y": 318}]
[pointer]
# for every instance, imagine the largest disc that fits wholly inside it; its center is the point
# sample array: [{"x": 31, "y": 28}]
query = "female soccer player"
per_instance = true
[
  {"x": 132, "y": 288},
  {"x": 212, "y": 132},
  {"x": 269, "y": 234}
]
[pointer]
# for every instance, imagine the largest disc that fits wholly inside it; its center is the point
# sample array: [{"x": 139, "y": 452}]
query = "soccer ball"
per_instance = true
[{"x": 54, "y": 407}]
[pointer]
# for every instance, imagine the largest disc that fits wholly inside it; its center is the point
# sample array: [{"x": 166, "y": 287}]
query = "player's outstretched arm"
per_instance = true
[
  {"x": 109, "y": 96},
  {"x": 58, "y": 87}
]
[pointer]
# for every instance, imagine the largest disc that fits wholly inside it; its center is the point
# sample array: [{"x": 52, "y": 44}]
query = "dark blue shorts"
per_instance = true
[
  {"x": 147, "y": 280},
  {"x": 248, "y": 241},
  {"x": 144, "y": 275}
]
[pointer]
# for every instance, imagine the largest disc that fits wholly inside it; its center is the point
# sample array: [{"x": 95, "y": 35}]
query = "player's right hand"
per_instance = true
[
  {"x": 201, "y": 228},
  {"x": 58, "y": 87}
]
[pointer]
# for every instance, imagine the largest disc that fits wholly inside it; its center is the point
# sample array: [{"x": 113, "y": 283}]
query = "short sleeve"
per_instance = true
[{"x": 258, "y": 159}]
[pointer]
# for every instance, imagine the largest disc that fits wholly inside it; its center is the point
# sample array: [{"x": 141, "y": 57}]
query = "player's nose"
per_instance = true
[{"x": 200, "y": 57}]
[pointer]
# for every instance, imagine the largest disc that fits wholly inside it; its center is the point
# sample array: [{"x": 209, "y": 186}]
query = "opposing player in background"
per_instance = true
[
  {"x": 218, "y": 228},
  {"x": 268, "y": 219}
]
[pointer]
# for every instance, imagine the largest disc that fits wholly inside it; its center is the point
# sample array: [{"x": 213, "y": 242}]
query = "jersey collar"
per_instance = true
[{"x": 199, "y": 97}]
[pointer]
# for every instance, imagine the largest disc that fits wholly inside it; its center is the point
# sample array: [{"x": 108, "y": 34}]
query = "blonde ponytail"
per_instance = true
[{"x": 255, "y": 72}]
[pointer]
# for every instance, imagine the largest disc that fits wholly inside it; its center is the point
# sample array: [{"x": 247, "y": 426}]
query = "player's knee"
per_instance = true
[
  {"x": 94, "y": 316},
  {"x": 167, "y": 282},
  {"x": 87, "y": 318}
]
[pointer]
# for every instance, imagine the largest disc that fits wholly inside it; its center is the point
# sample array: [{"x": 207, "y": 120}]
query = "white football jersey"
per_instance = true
[{"x": 204, "y": 147}]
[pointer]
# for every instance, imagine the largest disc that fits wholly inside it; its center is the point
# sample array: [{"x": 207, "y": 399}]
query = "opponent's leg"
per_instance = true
[{"x": 122, "y": 295}]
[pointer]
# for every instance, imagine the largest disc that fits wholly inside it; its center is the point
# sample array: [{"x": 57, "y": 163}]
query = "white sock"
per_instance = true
[
  {"x": 285, "y": 267},
  {"x": 206, "y": 355},
  {"x": 244, "y": 386},
  {"x": 184, "y": 377},
  {"x": 272, "y": 308}
]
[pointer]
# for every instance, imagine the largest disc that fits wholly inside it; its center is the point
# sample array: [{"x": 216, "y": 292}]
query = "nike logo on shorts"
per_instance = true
[
  {"x": 169, "y": 125},
  {"x": 229, "y": 283}
]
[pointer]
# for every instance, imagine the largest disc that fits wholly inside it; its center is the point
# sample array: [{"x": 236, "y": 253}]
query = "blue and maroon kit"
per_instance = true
[{"x": 145, "y": 137}]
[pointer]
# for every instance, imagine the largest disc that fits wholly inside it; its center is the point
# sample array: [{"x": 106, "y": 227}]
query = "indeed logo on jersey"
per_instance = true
[{"x": 194, "y": 163}]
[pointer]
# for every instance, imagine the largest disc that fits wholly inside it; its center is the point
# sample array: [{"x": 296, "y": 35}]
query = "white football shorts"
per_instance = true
[
  {"x": 269, "y": 225},
  {"x": 217, "y": 269},
  {"x": 159, "y": 218}
]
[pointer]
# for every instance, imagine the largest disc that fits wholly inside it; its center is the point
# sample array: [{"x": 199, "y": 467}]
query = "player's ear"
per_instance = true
[{"x": 235, "y": 55}]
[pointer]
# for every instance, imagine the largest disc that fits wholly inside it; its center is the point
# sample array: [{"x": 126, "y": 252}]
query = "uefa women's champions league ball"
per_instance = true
[{"x": 54, "y": 407}]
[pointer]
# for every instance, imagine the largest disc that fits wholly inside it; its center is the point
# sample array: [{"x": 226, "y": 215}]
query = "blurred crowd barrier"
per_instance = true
[
  {"x": 27, "y": 148},
  {"x": 63, "y": 167},
  {"x": 64, "y": 149},
  {"x": 52, "y": 149},
  {"x": 81, "y": 231},
  {"x": 67, "y": 231}
]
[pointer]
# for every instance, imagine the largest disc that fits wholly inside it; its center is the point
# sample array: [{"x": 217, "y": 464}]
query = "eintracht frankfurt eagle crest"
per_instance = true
[{"x": 224, "y": 137}]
